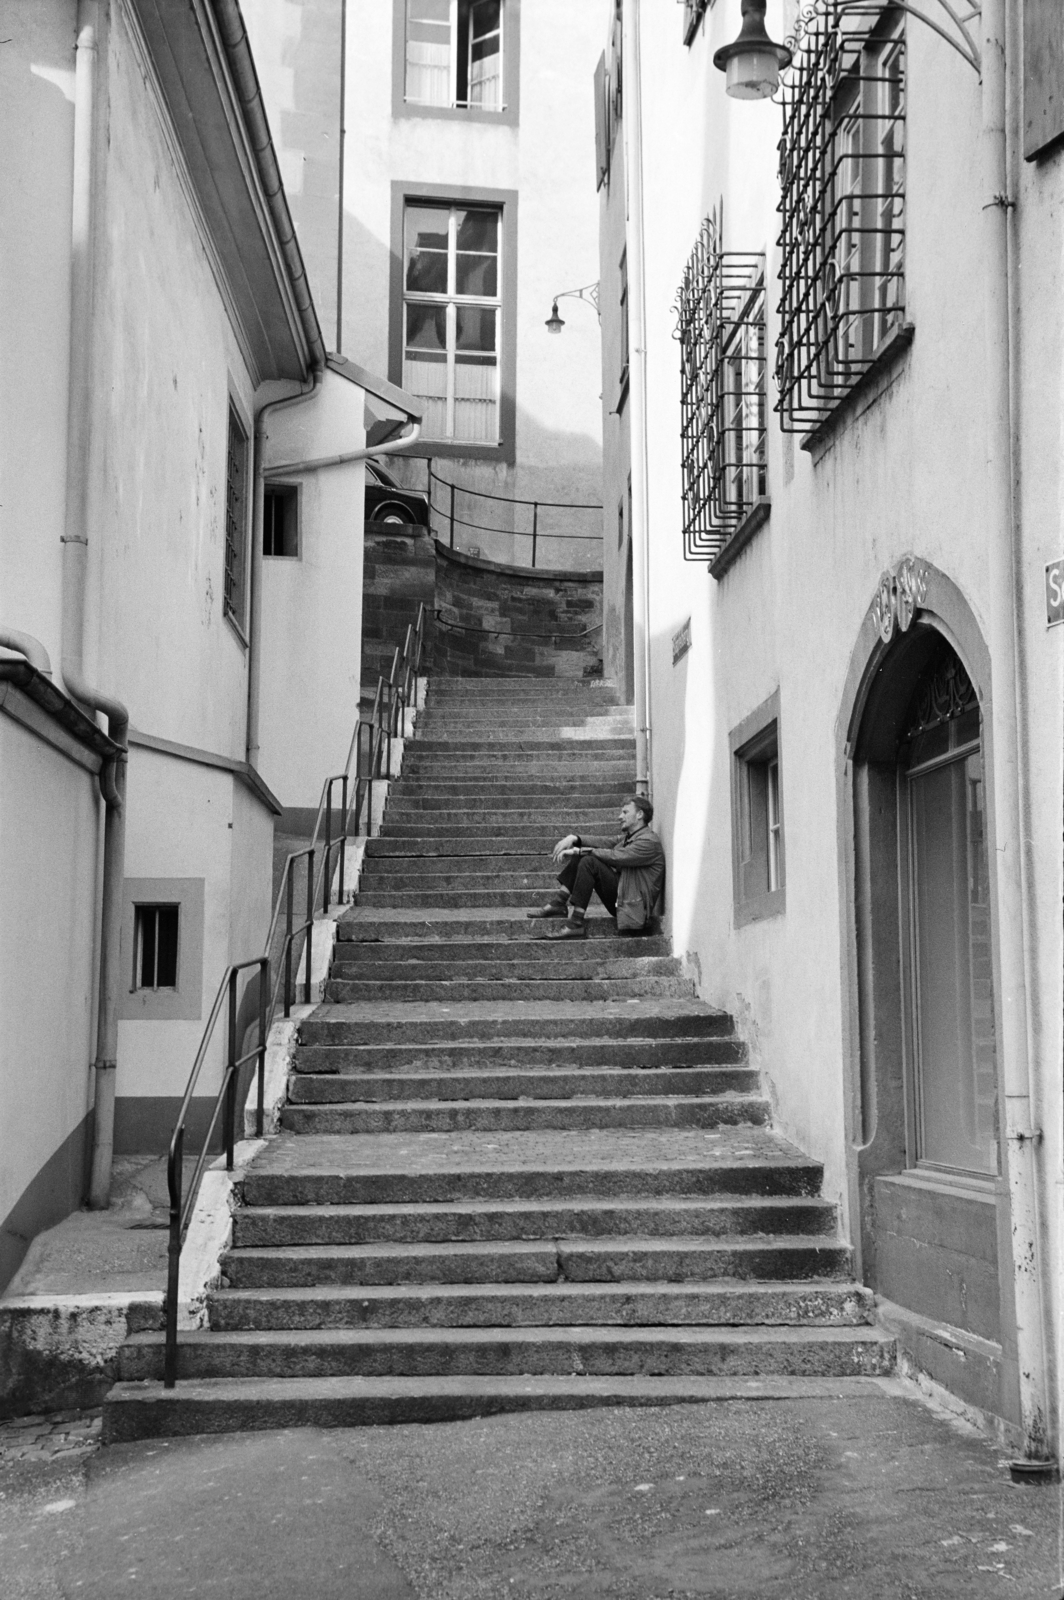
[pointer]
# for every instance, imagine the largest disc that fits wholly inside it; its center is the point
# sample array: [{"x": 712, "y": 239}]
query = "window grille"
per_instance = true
[
  {"x": 236, "y": 478},
  {"x": 155, "y": 944},
  {"x": 842, "y": 240},
  {"x": 721, "y": 329},
  {"x": 693, "y": 12}
]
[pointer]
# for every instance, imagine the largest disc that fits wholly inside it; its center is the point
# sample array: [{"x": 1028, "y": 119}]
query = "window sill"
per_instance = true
[
  {"x": 879, "y": 377},
  {"x": 773, "y": 904},
  {"x": 505, "y": 117},
  {"x": 755, "y": 518}
]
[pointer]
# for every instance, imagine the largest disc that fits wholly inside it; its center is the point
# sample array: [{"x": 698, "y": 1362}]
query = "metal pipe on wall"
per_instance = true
[
  {"x": 632, "y": 124},
  {"x": 1022, "y": 1137}
]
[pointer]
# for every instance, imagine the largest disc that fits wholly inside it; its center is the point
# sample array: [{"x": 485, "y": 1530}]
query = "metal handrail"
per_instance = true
[
  {"x": 371, "y": 751},
  {"x": 535, "y": 533},
  {"x": 512, "y": 499}
]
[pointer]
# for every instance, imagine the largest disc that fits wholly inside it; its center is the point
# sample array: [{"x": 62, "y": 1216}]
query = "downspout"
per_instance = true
[
  {"x": 632, "y": 124},
  {"x": 74, "y": 564},
  {"x": 28, "y": 646},
  {"x": 1023, "y": 1138},
  {"x": 364, "y": 453}
]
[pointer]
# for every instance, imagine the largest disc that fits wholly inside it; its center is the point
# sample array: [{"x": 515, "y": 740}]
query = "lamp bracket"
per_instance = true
[
  {"x": 589, "y": 293},
  {"x": 959, "y": 16}
]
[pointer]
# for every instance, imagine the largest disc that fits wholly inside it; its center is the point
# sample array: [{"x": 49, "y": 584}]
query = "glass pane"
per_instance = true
[
  {"x": 475, "y": 330},
  {"x": 426, "y": 249},
  {"x": 426, "y": 328},
  {"x": 477, "y": 275},
  {"x": 953, "y": 979},
  {"x": 478, "y": 231},
  {"x": 428, "y": 52},
  {"x": 485, "y": 57}
]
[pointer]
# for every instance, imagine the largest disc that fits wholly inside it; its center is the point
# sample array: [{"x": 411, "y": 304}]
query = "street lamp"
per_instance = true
[
  {"x": 589, "y": 293},
  {"x": 753, "y": 61}
]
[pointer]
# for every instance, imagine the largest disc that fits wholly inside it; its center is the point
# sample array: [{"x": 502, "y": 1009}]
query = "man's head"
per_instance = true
[{"x": 636, "y": 812}]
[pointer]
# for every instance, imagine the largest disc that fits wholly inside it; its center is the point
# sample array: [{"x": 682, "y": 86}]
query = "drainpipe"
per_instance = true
[
  {"x": 632, "y": 124},
  {"x": 74, "y": 564},
  {"x": 1023, "y": 1138},
  {"x": 28, "y": 646},
  {"x": 366, "y": 453}
]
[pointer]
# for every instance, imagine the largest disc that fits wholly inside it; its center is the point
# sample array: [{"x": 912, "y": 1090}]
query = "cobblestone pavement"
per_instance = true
[{"x": 61, "y": 1435}]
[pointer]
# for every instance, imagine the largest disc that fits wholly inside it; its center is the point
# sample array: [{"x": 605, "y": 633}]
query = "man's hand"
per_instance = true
[{"x": 564, "y": 847}]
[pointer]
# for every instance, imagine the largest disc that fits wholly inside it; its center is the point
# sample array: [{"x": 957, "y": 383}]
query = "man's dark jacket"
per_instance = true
[{"x": 640, "y": 860}]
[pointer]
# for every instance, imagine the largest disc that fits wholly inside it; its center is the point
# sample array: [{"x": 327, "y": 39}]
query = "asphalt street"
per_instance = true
[{"x": 880, "y": 1498}]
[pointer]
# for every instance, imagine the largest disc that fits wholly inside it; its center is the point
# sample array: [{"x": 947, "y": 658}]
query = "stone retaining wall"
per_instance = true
[
  {"x": 399, "y": 573},
  {"x": 499, "y": 621}
]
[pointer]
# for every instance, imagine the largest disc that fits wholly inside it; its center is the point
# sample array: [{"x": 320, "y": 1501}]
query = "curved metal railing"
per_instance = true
[
  {"x": 449, "y": 527},
  {"x": 369, "y": 753}
]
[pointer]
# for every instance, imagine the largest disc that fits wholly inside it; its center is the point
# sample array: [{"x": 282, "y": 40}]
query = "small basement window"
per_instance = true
[
  {"x": 280, "y": 520},
  {"x": 155, "y": 946}
]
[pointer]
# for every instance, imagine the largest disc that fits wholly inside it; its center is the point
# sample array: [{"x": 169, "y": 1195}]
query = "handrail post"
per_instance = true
[
  {"x": 325, "y": 884},
  {"x": 289, "y": 908},
  {"x": 264, "y": 989},
  {"x": 231, "y": 1075},
  {"x": 345, "y": 820},
  {"x": 452, "y": 516},
  {"x": 310, "y": 922},
  {"x": 535, "y": 528},
  {"x": 174, "y": 1174}
]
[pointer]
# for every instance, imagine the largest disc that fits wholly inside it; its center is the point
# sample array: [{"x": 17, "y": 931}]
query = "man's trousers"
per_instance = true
[{"x": 583, "y": 875}]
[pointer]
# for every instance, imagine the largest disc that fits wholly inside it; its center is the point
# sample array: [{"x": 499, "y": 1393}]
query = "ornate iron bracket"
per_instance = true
[{"x": 901, "y": 592}]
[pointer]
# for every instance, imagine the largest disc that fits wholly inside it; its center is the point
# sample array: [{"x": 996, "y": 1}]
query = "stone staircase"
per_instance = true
[{"x": 511, "y": 1174}]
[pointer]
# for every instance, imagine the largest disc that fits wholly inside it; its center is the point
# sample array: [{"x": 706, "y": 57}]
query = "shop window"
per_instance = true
[{"x": 758, "y": 860}]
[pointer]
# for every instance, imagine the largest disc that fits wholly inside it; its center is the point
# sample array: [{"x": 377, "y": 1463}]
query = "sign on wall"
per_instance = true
[
  {"x": 681, "y": 641},
  {"x": 1054, "y": 592}
]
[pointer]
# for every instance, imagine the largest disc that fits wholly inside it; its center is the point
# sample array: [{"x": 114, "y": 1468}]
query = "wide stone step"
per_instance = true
[
  {"x": 225, "y": 1405},
  {"x": 582, "y": 771},
  {"x": 624, "y": 1055},
  {"x": 383, "y": 925},
  {"x": 512, "y": 1352},
  {"x": 383, "y": 1169},
  {"x": 566, "y": 789},
  {"x": 340, "y": 1088},
  {"x": 513, "y": 962},
  {"x": 382, "y": 1023},
  {"x": 815, "y": 1302},
  {"x": 450, "y": 741},
  {"x": 622, "y": 957},
  {"x": 382, "y": 869},
  {"x": 553, "y": 816},
  {"x": 471, "y": 843},
  {"x": 461, "y": 991},
  {"x": 275, "y": 1226},
  {"x": 413, "y": 1116},
  {"x": 455, "y": 899},
  {"x": 622, "y": 1259}
]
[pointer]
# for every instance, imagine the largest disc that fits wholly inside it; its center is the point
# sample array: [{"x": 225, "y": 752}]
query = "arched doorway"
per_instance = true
[{"x": 933, "y": 1206}]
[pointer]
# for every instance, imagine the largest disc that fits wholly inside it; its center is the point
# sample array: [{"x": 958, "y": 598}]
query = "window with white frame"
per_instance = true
[
  {"x": 757, "y": 815},
  {"x": 454, "y": 53},
  {"x": 842, "y": 174},
  {"x": 452, "y": 312}
]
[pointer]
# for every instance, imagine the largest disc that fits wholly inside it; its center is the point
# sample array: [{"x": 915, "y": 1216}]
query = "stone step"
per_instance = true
[
  {"x": 317, "y": 1088},
  {"x": 274, "y": 1226},
  {"x": 629, "y": 1163},
  {"x": 573, "y": 1260},
  {"x": 433, "y": 1116},
  {"x": 574, "y": 793},
  {"x": 359, "y": 926},
  {"x": 394, "y": 964},
  {"x": 812, "y": 1303},
  {"x": 456, "y": 899},
  {"x": 624, "y": 1055},
  {"x": 449, "y": 740},
  {"x": 539, "y": 690},
  {"x": 472, "y": 843},
  {"x": 224, "y": 1405},
  {"x": 429, "y": 822},
  {"x": 383, "y": 868},
  {"x": 418, "y": 1023},
  {"x": 463, "y": 991},
  {"x": 620, "y": 957},
  {"x": 550, "y": 766},
  {"x": 517, "y": 1352}
]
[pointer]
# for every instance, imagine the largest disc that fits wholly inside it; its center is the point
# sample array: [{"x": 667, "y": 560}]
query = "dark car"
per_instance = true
[{"x": 386, "y": 501}]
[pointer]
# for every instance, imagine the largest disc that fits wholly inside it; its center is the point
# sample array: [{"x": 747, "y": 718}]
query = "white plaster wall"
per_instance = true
[
  {"x": 48, "y": 830},
  {"x": 312, "y": 604},
  {"x": 166, "y": 363},
  {"x": 36, "y": 127},
  {"x": 909, "y": 476}
]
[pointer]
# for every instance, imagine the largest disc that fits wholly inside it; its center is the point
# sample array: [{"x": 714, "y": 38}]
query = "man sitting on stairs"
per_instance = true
[{"x": 628, "y": 873}]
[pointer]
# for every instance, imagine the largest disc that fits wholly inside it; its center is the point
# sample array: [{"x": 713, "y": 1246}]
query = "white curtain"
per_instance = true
[{"x": 428, "y": 73}]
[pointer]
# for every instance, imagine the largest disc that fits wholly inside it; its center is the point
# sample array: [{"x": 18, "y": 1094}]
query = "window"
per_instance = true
[
  {"x": 155, "y": 940},
  {"x": 451, "y": 318},
  {"x": 723, "y": 407},
  {"x": 280, "y": 520},
  {"x": 236, "y": 505},
  {"x": 623, "y": 380},
  {"x": 608, "y": 102},
  {"x": 757, "y": 816},
  {"x": 842, "y": 169},
  {"x": 454, "y": 53},
  {"x": 162, "y": 950}
]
